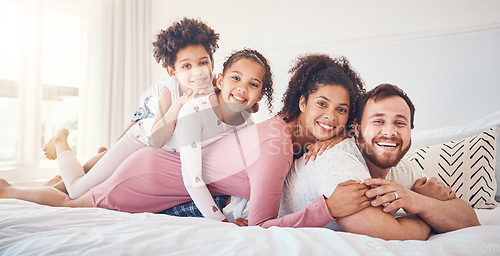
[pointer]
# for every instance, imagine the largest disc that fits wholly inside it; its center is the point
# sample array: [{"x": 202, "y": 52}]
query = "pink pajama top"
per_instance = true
[{"x": 251, "y": 163}]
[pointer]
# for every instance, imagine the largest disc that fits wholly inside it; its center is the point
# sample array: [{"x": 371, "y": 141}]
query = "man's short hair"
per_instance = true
[{"x": 381, "y": 92}]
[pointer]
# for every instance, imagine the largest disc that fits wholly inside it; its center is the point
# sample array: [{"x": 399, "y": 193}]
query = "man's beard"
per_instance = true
[{"x": 368, "y": 151}]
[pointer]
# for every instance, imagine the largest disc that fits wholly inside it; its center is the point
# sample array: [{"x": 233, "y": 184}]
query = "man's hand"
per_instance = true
[
  {"x": 347, "y": 198},
  {"x": 319, "y": 147},
  {"x": 393, "y": 193},
  {"x": 433, "y": 188}
]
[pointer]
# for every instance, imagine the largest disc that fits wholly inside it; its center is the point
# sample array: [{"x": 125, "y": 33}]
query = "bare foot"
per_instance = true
[
  {"x": 101, "y": 149},
  {"x": 4, "y": 185},
  {"x": 52, "y": 182},
  {"x": 50, "y": 148}
]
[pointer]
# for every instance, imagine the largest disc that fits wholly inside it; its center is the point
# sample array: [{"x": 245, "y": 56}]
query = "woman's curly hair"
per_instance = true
[
  {"x": 267, "y": 83},
  {"x": 312, "y": 71},
  {"x": 180, "y": 34}
]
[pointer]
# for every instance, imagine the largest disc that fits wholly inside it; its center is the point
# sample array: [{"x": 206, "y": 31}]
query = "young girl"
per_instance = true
[
  {"x": 243, "y": 82},
  {"x": 186, "y": 50}
]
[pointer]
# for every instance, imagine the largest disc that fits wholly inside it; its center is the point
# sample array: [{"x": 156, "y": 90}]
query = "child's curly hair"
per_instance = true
[
  {"x": 267, "y": 83},
  {"x": 312, "y": 71},
  {"x": 180, "y": 34}
]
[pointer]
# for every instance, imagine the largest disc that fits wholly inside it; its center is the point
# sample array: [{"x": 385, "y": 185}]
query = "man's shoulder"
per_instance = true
[{"x": 406, "y": 173}]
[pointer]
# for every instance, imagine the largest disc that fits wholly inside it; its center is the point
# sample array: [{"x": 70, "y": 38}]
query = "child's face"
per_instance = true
[
  {"x": 241, "y": 85},
  {"x": 193, "y": 67}
]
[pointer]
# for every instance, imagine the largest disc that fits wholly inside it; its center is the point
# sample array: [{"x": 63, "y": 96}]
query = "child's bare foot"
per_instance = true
[
  {"x": 4, "y": 185},
  {"x": 50, "y": 148},
  {"x": 101, "y": 149},
  {"x": 52, "y": 182}
]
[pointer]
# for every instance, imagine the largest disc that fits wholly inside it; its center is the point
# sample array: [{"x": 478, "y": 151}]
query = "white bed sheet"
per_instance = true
[{"x": 31, "y": 229}]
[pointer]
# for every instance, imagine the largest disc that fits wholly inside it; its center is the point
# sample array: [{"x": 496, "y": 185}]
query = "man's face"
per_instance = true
[{"x": 384, "y": 135}]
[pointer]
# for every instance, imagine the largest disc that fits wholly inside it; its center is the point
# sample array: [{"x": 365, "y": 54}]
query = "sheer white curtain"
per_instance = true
[{"x": 117, "y": 47}]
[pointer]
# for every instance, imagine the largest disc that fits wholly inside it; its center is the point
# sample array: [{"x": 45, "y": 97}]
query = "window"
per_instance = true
[{"x": 40, "y": 77}]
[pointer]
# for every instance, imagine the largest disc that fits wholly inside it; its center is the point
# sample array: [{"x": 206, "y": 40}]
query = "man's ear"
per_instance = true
[
  {"x": 357, "y": 127},
  {"x": 302, "y": 103},
  {"x": 170, "y": 71}
]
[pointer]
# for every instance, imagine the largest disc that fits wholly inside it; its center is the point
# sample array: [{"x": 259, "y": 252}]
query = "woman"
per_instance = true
[{"x": 251, "y": 163}]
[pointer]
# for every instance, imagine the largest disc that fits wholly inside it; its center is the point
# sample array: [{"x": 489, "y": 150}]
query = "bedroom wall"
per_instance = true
[{"x": 444, "y": 54}]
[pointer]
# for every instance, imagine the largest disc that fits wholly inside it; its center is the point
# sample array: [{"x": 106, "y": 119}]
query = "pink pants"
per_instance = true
[{"x": 77, "y": 182}]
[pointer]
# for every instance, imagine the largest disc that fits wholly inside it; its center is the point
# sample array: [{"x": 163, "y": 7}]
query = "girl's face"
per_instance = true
[
  {"x": 325, "y": 113},
  {"x": 241, "y": 85},
  {"x": 192, "y": 68}
]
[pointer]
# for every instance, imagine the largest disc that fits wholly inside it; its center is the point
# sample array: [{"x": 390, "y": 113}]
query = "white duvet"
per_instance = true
[{"x": 31, "y": 229}]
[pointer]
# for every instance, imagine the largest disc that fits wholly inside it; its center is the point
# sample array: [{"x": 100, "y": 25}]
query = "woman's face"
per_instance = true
[{"x": 325, "y": 113}]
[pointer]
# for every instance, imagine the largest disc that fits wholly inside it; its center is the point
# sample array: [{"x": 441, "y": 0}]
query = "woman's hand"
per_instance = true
[
  {"x": 348, "y": 198},
  {"x": 433, "y": 188},
  {"x": 319, "y": 147}
]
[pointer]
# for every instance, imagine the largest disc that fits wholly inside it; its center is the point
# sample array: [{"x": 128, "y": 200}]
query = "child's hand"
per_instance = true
[
  {"x": 241, "y": 222},
  {"x": 197, "y": 92},
  {"x": 319, "y": 147},
  {"x": 348, "y": 198},
  {"x": 184, "y": 98}
]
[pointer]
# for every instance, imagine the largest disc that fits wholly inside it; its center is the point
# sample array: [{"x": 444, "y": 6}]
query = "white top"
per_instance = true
[
  {"x": 143, "y": 129},
  {"x": 197, "y": 127}
]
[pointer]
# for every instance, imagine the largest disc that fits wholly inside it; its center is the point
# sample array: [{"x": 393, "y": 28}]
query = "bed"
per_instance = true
[{"x": 31, "y": 229}]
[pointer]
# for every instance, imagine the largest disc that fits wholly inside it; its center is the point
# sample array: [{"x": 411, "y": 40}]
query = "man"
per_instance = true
[{"x": 382, "y": 137}]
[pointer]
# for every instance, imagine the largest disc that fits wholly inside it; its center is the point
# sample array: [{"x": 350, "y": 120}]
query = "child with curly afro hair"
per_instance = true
[{"x": 186, "y": 49}]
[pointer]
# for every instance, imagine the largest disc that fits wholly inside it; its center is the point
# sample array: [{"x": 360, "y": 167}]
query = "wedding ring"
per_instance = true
[{"x": 395, "y": 195}]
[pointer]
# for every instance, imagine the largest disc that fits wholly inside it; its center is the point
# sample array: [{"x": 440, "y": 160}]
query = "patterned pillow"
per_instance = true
[{"x": 467, "y": 166}]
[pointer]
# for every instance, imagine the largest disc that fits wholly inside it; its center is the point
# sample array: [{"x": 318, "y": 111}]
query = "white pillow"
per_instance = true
[
  {"x": 466, "y": 165},
  {"x": 440, "y": 135}
]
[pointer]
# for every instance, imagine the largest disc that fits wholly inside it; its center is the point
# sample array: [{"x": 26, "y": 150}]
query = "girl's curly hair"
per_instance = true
[
  {"x": 312, "y": 71},
  {"x": 180, "y": 34},
  {"x": 267, "y": 83}
]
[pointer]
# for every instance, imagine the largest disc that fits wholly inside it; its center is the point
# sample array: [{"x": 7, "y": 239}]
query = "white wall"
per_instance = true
[{"x": 444, "y": 54}]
